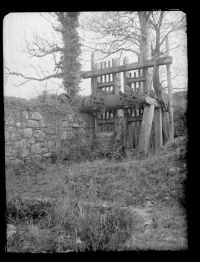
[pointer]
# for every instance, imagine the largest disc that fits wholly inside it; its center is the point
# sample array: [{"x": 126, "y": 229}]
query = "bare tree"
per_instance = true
[
  {"x": 119, "y": 32},
  {"x": 64, "y": 54}
]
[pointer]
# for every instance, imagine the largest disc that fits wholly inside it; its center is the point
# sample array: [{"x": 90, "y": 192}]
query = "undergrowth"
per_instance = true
[{"x": 50, "y": 205}]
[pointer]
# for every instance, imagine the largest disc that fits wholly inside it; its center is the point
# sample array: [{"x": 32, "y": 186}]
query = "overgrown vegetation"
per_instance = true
[{"x": 87, "y": 206}]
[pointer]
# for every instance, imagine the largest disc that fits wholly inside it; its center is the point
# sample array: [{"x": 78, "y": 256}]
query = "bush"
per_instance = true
[{"x": 180, "y": 128}]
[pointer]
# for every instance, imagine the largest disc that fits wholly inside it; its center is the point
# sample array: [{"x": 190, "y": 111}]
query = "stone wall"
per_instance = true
[{"x": 30, "y": 133}]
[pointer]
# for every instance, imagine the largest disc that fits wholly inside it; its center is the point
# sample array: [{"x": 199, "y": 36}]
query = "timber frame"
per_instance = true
[{"x": 134, "y": 116}]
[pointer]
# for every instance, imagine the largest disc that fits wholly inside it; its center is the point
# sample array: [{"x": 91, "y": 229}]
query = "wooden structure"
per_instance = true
[{"x": 130, "y": 115}]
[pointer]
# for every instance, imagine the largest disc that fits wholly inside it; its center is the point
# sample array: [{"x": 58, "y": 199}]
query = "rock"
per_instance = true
[
  {"x": 42, "y": 123},
  {"x": 10, "y": 151},
  {"x": 36, "y": 116},
  {"x": 38, "y": 133},
  {"x": 28, "y": 132},
  {"x": 24, "y": 152},
  {"x": 71, "y": 118},
  {"x": 36, "y": 148},
  {"x": 20, "y": 144},
  {"x": 49, "y": 130},
  {"x": 65, "y": 124},
  {"x": 75, "y": 125},
  {"x": 50, "y": 145},
  {"x": 47, "y": 154},
  {"x": 64, "y": 135},
  {"x": 10, "y": 121},
  {"x": 11, "y": 230},
  {"x": 30, "y": 142},
  {"x": 25, "y": 114},
  {"x": 33, "y": 123},
  {"x": 18, "y": 124},
  {"x": 15, "y": 136}
]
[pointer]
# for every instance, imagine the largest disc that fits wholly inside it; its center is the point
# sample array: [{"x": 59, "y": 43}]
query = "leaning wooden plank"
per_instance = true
[
  {"x": 146, "y": 128},
  {"x": 158, "y": 128},
  {"x": 127, "y": 67}
]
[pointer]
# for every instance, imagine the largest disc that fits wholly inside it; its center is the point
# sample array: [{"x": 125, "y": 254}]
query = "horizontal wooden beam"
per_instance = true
[
  {"x": 135, "y": 119},
  {"x": 135, "y": 79},
  {"x": 105, "y": 121},
  {"x": 128, "y": 67},
  {"x": 117, "y": 101},
  {"x": 105, "y": 84}
]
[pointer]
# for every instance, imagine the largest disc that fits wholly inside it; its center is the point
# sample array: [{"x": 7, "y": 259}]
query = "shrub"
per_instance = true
[{"x": 180, "y": 128}]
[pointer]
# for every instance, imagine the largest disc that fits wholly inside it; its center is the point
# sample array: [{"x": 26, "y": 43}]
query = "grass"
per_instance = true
[{"x": 94, "y": 205}]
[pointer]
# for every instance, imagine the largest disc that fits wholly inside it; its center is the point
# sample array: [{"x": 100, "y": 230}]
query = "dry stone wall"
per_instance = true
[{"x": 30, "y": 133}]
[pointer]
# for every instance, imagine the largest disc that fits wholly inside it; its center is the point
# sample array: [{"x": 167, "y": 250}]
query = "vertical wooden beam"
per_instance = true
[
  {"x": 116, "y": 76},
  {"x": 120, "y": 124},
  {"x": 158, "y": 129},
  {"x": 93, "y": 79},
  {"x": 145, "y": 130},
  {"x": 125, "y": 76},
  {"x": 170, "y": 92}
]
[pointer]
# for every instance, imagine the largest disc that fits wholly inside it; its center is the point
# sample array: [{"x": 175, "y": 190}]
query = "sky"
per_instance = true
[{"x": 20, "y": 26}]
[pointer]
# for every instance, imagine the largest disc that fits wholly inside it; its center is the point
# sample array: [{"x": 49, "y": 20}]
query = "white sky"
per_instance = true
[{"x": 18, "y": 26}]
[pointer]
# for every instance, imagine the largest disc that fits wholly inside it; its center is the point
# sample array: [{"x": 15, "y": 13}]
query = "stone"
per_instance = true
[
  {"x": 25, "y": 114},
  {"x": 20, "y": 144},
  {"x": 17, "y": 162},
  {"x": 48, "y": 154},
  {"x": 11, "y": 230},
  {"x": 64, "y": 136},
  {"x": 49, "y": 130},
  {"x": 38, "y": 133},
  {"x": 71, "y": 118},
  {"x": 36, "y": 116},
  {"x": 18, "y": 124},
  {"x": 36, "y": 148},
  {"x": 30, "y": 142},
  {"x": 15, "y": 136},
  {"x": 10, "y": 151},
  {"x": 50, "y": 145},
  {"x": 24, "y": 152},
  {"x": 28, "y": 132},
  {"x": 10, "y": 121},
  {"x": 65, "y": 123},
  {"x": 10, "y": 129},
  {"x": 75, "y": 125},
  {"x": 33, "y": 123},
  {"x": 42, "y": 123}
]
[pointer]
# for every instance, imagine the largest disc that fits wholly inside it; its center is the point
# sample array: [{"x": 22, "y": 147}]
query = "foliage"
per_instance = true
[
  {"x": 69, "y": 63},
  {"x": 180, "y": 122}
]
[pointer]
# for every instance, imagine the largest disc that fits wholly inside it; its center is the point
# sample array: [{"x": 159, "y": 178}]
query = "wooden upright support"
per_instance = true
[
  {"x": 116, "y": 76},
  {"x": 158, "y": 128},
  {"x": 126, "y": 75},
  {"x": 93, "y": 79},
  {"x": 145, "y": 130},
  {"x": 170, "y": 91}
]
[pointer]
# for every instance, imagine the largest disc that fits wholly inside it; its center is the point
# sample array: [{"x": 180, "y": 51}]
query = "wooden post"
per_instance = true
[
  {"x": 116, "y": 76},
  {"x": 120, "y": 124},
  {"x": 125, "y": 75},
  {"x": 93, "y": 79},
  {"x": 94, "y": 82},
  {"x": 145, "y": 130},
  {"x": 158, "y": 128},
  {"x": 170, "y": 91}
]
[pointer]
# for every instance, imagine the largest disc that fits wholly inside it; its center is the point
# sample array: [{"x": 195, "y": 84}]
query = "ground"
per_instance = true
[{"x": 134, "y": 204}]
